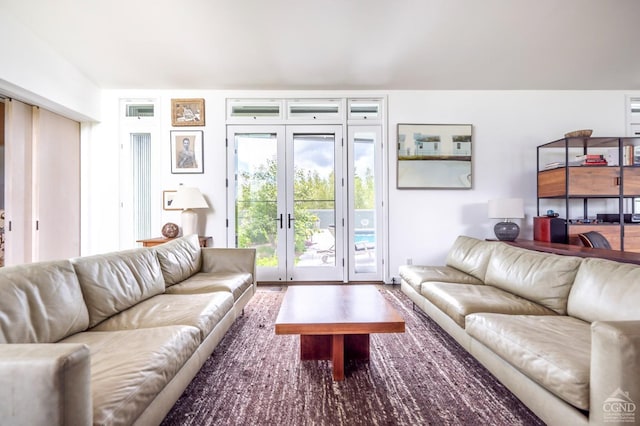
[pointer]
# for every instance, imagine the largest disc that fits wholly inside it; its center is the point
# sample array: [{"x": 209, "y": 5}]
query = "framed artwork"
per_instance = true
[
  {"x": 187, "y": 112},
  {"x": 167, "y": 200},
  {"x": 186, "y": 151},
  {"x": 434, "y": 156}
]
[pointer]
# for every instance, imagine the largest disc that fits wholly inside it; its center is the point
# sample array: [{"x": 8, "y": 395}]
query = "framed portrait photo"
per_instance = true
[
  {"x": 187, "y": 112},
  {"x": 186, "y": 151}
]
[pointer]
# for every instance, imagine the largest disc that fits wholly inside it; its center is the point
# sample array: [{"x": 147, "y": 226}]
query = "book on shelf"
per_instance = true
[
  {"x": 582, "y": 160},
  {"x": 590, "y": 160},
  {"x": 554, "y": 165},
  {"x": 589, "y": 157},
  {"x": 627, "y": 155},
  {"x": 631, "y": 155}
]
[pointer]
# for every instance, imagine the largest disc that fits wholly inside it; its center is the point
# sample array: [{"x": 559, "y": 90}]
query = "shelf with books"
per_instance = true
[
  {"x": 631, "y": 154},
  {"x": 581, "y": 178}
]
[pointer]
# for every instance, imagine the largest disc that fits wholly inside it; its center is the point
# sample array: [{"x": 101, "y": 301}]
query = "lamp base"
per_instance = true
[
  {"x": 506, "y": 231},
  {"x": 189, "y": 220}
]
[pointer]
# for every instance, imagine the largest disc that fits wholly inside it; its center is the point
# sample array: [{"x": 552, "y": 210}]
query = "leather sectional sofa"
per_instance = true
[
  {"x": 561, "y": 332},
  {"x": 114, "y": 339}
]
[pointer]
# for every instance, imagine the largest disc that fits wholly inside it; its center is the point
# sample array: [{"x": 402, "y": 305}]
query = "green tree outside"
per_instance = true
[{"x": 256, "y": 208}]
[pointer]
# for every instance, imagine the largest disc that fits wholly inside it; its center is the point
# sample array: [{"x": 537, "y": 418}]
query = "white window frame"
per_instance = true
[{"x": 128, "y": 126}]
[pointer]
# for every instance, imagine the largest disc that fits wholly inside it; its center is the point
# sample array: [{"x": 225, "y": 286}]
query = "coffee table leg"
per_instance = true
[
  {"x": 337, "y": 348},
  {"x": 315, "y": 347},
  {"x": 337, "y": 357}
]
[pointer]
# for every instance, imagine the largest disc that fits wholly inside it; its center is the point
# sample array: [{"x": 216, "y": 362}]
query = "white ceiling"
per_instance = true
[{"x": 343, "y": 44}]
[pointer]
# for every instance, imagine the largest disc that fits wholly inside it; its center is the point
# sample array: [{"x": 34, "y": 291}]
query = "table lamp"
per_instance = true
[
  {"x": 187, "y": 199},
  {"x": 506, "y": 209}
]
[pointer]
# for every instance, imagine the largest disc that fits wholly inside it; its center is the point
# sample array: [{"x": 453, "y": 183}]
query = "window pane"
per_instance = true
[
  {"x": 141, "y": 166},
  {"x": 364, "y": 194}
]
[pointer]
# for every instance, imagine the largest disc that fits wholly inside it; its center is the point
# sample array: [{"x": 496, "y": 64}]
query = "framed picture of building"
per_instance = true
[
  {"x": 434, "y": 156},
  {"x": 187, "y": 112},
  {"x": 186, "y": 151}
]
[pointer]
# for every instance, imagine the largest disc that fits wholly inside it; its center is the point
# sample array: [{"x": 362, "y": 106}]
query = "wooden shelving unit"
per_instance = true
[{"x": 580, "y": 192}]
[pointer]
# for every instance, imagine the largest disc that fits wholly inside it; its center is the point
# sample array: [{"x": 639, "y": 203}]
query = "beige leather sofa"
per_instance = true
[
  {"x": 561, "y": 332},
  {"x": 114, "y": 339}
]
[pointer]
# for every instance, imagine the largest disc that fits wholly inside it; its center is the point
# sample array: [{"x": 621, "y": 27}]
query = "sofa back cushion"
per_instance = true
[
  {"x": 40, "y": 303},
  {"x": 543, "y": 278},
  {"x": 179, "y": 258},
  {"x": 605, "y": 290},
  {"x": 113, "y": 282},
  {"x": 470, "y": 255}
]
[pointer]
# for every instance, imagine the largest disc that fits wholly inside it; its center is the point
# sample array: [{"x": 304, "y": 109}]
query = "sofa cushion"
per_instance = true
[
  {"x": 203, "y": 311},
  {"x": 470, "y": 255},
  {"x": 113, "y": 282},
  {"x": 415, "y": 275},
  {"x": 460, "y": 300},
  {"x": 179, "y": 258},
  {"x": 605, "y": 290},
  {"x": 235, "y": 283},
  {"x": 554, "y": 351},
  {"x": 129, "y": 368},
  {"x": 40, "y": 303},
  {"x": 544, "y": 278}
]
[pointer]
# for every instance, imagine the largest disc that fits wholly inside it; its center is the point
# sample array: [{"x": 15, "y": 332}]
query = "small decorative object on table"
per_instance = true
[
  {"x": 170, "y": 230},
  {"x": 506, "y": 209},
  {"x": 584, "y": 133}
]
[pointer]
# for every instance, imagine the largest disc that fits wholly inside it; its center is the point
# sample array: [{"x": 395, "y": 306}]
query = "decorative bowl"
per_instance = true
[
  {"x": 170, "y": 230},
  {"x": 584, "y": 133}
]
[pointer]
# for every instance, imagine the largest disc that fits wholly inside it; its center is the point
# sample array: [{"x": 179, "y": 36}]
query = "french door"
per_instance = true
[{"x": 286, "y": 199}]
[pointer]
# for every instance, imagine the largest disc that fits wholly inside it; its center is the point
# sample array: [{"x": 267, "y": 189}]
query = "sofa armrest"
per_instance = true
[
  {"x": 615, "y": 368},
  {"x": 47, "y": 383},
  {"x": 229, "y": 260}
]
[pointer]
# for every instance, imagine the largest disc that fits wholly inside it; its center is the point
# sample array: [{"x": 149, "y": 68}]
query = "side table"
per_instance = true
[{"x": 150, "y": 242}]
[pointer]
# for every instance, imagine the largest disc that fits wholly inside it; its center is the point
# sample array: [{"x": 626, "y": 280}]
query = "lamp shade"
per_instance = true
[
  {"x": 506, "y": 208},
  {"x": 189, "y": 198}
]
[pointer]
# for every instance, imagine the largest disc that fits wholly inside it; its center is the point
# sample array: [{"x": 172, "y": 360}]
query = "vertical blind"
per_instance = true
[{"x": 141, "y": 168}]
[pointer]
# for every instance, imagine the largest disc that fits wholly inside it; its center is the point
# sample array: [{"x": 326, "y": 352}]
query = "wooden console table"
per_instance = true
[
  {"x": 150, "y": 242},
  {"x": 580, "y": 251}
]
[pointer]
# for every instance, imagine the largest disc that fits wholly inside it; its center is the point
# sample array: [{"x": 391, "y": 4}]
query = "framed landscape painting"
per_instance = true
[{"x": 434, "y": 156}]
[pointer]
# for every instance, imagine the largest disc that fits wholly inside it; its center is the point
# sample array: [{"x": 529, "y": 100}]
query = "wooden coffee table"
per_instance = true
[{"x": 334, "y": 321}]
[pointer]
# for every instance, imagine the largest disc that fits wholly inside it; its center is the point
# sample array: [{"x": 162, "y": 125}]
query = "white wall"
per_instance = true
[
  {"x": 507, "y": 127},
  {"x": 106, "y": 154},
  {"x": 34, "y": 74}
]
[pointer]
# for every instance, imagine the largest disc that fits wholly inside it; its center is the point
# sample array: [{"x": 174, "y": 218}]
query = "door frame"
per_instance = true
[
  {"x": 379, "y": 210},
  {"x": 285, "y": 271}
]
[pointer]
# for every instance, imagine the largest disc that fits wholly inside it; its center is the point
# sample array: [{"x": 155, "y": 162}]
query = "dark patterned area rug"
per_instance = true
[{"x": 420, "y": 377}]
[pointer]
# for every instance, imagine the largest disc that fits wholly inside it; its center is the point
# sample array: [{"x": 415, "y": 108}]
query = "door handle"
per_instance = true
[
  {"x": 289, "y": 219},
  {"x": 279, "y": 219}
]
